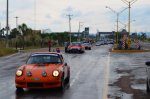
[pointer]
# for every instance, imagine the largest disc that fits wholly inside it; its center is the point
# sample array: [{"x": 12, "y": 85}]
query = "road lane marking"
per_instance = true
[
  {"x": 106, "y": 81},
  {"x": 76, "y": 77}
]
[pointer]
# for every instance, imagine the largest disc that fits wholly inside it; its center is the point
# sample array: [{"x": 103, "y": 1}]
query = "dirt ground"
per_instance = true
[{"x": 125, "y": 82}]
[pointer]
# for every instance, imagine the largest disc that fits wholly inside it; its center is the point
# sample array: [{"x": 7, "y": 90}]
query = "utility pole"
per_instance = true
[
  {"x": 117, "y": 13},
  {"x": 7, "y": 24},
  {"x": 35, "y": 6},
  {"x": 125, "y": 25},
  {"x": 0, "y": 30},
  {"x": 0, "y": 26},
  {"x": 69, "y": 16},
  {"x": 79, "y": 30},
  {"x": 129, "y": 3},
  {"x": 16, "y": 22}
]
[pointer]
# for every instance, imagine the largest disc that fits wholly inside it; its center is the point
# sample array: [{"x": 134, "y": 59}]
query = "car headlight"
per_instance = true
[
  {"x": 55, "y": 73},
  {"x": 19, "y": 73}
]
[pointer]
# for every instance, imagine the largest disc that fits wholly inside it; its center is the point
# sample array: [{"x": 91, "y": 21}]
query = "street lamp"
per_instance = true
[
  {"x": 7, "y": 24},
  {"x": 117, "y": 14},
  {"x": 129, "y": 3},
  {"x": 16, "y": 21},
  {"x": 70, "y": 26},
  {"x": 79, "y": 30},
  {"x": 0, "y": 25},
  {"x": 125, "y": 25}
]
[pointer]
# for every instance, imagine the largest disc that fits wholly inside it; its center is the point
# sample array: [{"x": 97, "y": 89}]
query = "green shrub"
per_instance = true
[{"x": 7, "y": 51}]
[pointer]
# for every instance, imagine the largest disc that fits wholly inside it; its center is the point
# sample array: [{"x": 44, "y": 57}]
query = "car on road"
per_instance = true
[
  {"x": 43, "y": 70},
  {"x": 76, "y": 47},
  {"x": 148, "y": 76},
  {"x": 66, "y": 44},
  {"x": 99, "y": 43},
  {"x": 87, "y": 46}
]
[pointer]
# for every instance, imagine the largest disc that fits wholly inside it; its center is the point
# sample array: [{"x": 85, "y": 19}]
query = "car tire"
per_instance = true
[
  {"x": 62, "y": 88},
  {"x": 147, "y": 86},
  {"x": 19, "y": 90},
  {"x": 68, "y": 80}
]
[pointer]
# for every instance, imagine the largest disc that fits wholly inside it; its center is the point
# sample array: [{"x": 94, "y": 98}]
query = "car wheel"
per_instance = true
[
  {"x": 68, "y": 80},
  {"x": 147, "y": 86},
  {"x": 19, "y": 90},
  {"x": 62, "y": 88}
]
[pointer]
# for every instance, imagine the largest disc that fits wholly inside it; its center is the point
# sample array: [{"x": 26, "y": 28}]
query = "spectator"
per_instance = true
[{"x": 49, "y": 45}]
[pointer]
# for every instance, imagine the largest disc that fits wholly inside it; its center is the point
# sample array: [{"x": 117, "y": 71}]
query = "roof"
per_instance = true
[{"x": 46, "y": 53}]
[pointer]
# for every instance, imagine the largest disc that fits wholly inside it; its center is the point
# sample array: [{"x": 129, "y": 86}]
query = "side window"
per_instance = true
[{"x": 62, "y": 58}]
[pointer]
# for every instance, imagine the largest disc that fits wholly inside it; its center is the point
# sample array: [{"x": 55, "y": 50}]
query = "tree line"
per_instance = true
[{"x": 24, "y": 36}]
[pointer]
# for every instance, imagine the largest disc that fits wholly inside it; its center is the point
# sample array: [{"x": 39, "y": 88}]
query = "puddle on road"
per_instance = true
[
  {"x": 121, "y": 96},
  {"x": 139, "y": 86}
]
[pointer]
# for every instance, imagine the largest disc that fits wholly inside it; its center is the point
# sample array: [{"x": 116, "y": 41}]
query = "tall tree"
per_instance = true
[{"x": 14, "y": 32}]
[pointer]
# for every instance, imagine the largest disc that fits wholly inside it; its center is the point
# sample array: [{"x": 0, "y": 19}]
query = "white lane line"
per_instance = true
[
  {"x": 106, "y": 81},
  {"x": 75, "y": 78}
]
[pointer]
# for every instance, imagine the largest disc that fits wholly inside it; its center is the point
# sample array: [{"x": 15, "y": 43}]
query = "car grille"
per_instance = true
[{"x": 35, "y": 84}]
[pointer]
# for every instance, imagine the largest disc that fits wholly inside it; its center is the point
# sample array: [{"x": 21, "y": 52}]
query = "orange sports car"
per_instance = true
[{"x": 43, "y": 70}]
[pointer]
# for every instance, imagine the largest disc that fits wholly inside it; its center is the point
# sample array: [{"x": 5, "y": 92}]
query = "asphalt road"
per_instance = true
[
  {"x": 96, "y": 74},
  {"x": 89, "y": 76}
]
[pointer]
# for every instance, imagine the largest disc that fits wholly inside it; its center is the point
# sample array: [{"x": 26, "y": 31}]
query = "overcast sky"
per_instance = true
[{"x": 51, "y": 14}]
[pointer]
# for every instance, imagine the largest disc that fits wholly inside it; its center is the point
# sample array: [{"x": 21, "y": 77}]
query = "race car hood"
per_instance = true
[
  {"x": 37, "y": 69},
  {"x": 72, "y": 47}
]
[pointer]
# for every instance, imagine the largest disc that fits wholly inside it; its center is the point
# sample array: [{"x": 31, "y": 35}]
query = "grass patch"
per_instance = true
[{"x": 7, "y": 51}]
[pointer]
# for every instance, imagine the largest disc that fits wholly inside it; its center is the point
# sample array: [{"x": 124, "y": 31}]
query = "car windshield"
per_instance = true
[
  {"x": 75, "y": 44},
  {"x": 44, "y": 59},
  {"x": 86, "y": 44}
]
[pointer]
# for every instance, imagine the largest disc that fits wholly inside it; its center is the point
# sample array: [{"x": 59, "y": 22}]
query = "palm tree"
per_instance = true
[{"x": 24, "y": 30}]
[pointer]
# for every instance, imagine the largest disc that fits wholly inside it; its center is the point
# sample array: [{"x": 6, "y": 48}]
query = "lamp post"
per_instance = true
[
  {"x": 117, "y": 14},
  {"x": 16, "y": 21},
  {"x": 70, "y": 26},
  {"x": 79, "y": 30},
  {"x": 0, "y": 25},
  {"x": 7, "y": 24},
  {"x": 125, "y": 25},
  {"x": 129, "y": 3}
]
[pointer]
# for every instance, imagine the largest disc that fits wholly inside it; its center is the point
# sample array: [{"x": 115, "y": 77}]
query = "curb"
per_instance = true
[
  {"x": 116, "y": 50},
  {"x": 143, "y": 50}
]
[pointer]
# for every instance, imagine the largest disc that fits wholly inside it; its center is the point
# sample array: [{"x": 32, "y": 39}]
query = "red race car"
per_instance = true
[
  {"x": 76, "y": 47},
  {"x": 43, "y": 70}
]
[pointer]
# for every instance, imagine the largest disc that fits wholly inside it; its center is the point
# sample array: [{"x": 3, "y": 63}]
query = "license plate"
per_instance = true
[{"x": 35, "y": 78}]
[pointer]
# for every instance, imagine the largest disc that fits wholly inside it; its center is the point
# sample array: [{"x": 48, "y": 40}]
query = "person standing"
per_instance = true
[{"x": 49, "y": 45}]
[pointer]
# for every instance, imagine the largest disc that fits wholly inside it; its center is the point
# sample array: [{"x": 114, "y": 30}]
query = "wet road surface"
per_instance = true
[
  {"x": 89, "y": 79},
  {"x": 128, "y": 76},
  {"x": 96, "y": 74}
]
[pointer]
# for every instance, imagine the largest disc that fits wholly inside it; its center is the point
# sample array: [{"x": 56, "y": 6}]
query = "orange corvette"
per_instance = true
[{"x": 43, "y": 70}]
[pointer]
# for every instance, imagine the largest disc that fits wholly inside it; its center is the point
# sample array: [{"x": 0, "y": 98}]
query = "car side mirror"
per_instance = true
[
  {"x": 66, "y": 64},
  {"x": 147, "y": 63}
]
